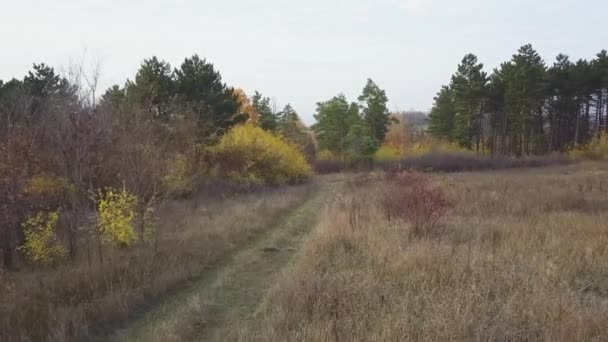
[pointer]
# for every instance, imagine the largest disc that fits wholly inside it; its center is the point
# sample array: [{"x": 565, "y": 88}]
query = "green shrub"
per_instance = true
[{"x": 250, "y": 155}]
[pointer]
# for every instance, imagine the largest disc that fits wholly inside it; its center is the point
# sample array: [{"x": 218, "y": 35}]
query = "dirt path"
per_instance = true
[{"x": 224, "y": 301}]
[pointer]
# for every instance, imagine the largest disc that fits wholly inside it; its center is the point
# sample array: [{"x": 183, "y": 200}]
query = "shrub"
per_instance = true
[
  {"x": 178, "y": 179},
  {"x": 389, "y": 152},
  {"x": 411, "y": 197},
  {"x": 42, "y": 246},
  {"x": 324, "y": 155},
  {"x": 597, "y": 149},
  {"x": 248, "y": 154},
  {"x": 117, "y": 212}
]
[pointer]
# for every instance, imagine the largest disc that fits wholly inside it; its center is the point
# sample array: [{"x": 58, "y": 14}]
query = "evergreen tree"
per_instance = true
[
  {"x": 267, "y": 118},
  {"x": 375, "y": 112},
  {"x": 441, "y": 117},
  {"x": 200, "y": 88},
  {"x": 153, "y": 88},
  {"x": 334, "y": 119},
  {"x": 469, "y": 92}
]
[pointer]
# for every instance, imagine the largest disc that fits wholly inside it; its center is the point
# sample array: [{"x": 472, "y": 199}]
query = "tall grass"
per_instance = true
[
  {"x": 523, "y": 255},
  {"x": 82, "y": 300}
]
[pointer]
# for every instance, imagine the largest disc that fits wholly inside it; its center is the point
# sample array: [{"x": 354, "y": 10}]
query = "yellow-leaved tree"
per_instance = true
[
  {"x": 116, "y": 218},
  {"x": 42, "y": 245}
]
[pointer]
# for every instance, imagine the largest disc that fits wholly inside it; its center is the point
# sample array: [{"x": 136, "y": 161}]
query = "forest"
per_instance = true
[{"x": 524, "y": 107}]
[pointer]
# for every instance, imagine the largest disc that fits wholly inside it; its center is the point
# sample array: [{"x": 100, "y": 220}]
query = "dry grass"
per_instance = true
[
  {"x": 79, "y": 300},
  {"x": 523, "y": 255}
]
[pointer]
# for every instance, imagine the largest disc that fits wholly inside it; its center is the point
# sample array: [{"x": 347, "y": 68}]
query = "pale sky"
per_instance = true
[{"x": 300, "y": 52}]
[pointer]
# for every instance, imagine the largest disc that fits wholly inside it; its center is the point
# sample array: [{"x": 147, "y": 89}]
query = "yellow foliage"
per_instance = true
[
  {"x": 430, "y": 145},
  {"x": 390, "y": 151},
  {"x": 597, "y": 149},
  {"x": 42, "y": 245},
  {"x": 324, "y": 155},
  {"x": 248, "y": 154},
  {"x": 177, "y": 179},
  {"x": 246, "y": 105},
  {"x": 117, "y": 212},
  {"x": 44, "y": 186}
]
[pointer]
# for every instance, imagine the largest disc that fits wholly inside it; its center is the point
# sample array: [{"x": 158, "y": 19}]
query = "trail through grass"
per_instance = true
[{"x": 223, "y": 302}]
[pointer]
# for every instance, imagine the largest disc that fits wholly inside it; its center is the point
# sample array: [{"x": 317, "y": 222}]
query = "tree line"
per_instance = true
[
  {"x": 523, "y": 107},
  {"x": 65, "y": 149}
]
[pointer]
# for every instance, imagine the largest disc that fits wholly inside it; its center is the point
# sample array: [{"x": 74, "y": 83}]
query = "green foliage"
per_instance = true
[
  {"x": 291, "y": 128},
  {"x": 375, "y": 113},
  {"x": 267, "y": 118},
  {"x": 441, "y": 117},
  {"x": 248, "y": 154},
  {"x": 153, "y": 88},
  {"x": 200, "y": 88},
  {"x": 361, "y": 141},
  {"x": 334, "y": 119},
  {"x": 42, "y": 246},
  {"x": 116, "y": 217}
]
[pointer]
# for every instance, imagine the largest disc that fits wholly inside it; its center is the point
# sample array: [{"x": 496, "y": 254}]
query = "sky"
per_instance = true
[{"x": 299, "y": 52}]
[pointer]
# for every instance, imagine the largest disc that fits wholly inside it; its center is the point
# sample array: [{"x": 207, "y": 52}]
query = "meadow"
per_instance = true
[{"x": 520, "y": 255}]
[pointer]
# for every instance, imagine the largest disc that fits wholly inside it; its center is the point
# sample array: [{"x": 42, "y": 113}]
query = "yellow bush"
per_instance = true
[
  {"x": 42, "y": 245},
  {"x": 597, "y": 149},
  {"x": 117, "y": 212},
  {"x": 250, "y": 155},
  {"x": 324, "y": 155},
  {"x": 388, "y": 152}
]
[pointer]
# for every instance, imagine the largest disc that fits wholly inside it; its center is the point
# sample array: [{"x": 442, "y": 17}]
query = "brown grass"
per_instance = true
[
  {"x": 79, "y": 300},
  {"x": 523, "y": 255}
]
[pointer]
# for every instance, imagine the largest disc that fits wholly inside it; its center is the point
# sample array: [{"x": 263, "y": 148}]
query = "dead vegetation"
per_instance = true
[
  {"x": 523, "y": 255},
  {"x": 81, "y": 299}
]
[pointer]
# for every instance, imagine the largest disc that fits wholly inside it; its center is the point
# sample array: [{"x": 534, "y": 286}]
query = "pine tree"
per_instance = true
[
  {"x": 334, "y": 119},
  {"x": 200, "y": 88},
  {"x": 267, "y": 118},
  {"x": 375, "y": 112}
]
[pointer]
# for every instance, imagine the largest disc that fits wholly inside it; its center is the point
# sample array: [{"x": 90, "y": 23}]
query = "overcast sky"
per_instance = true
[{"x": 300, "y": 52}]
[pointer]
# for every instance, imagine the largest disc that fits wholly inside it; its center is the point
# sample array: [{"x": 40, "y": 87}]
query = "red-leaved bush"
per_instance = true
[{"x": 413, "y": 198}]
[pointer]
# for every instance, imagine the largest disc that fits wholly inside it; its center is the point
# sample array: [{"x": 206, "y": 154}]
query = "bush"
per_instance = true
[
  {"x": 388, "y": 152},
  {"x": 597, "y": 149},
  {"x": 248, "y": 154},
  {"x": 412, "y": 198},
  {"x": 117, "y": 212},
  {"x": 178, "y": 179},
  {"x": 42, "y": 246}
]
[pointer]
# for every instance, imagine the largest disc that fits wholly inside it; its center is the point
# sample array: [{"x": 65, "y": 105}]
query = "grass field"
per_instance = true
[
  {"x": 517, "y": 254},
  {"x": 522, "y": 255}
]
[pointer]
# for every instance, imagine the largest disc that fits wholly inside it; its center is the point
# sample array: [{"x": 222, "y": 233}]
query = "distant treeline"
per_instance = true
[{"x": 524, "y": 107}]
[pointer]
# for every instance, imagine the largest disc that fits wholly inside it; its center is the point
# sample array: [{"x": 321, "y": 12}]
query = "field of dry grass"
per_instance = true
[
  {"x": 521, "y": 255},
  {"x": 81, "y": 299}
]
